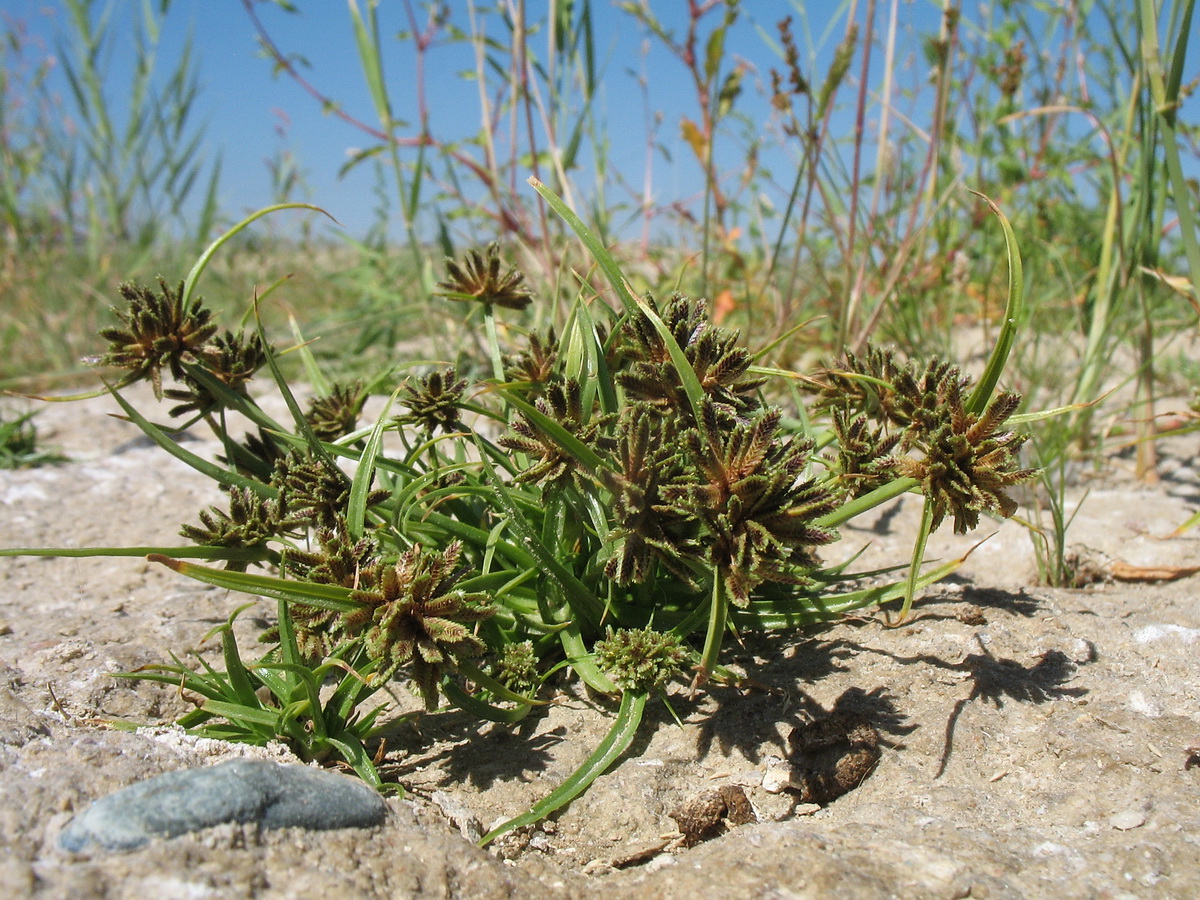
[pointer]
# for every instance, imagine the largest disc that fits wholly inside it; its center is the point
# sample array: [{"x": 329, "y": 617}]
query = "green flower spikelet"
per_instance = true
[
  {"x": 480, "y": 278},
  {"x": 640, "y": 659},
  {"x": 413, "y": 616},
  {"x": 517, "y": 668},
  {"x": 434, "y": 403},
  {"x": 336, "y": 413},
  {"x": 157, "y": 331}
]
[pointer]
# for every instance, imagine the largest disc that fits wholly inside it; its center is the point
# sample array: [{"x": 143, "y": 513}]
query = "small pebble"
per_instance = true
[
  {"x": 243, "y": 791},
  {"x": 777, "y": 779},
  {"x": 1081, "y": 651},
  {"x": 1147, "y": 706},
  {"x": 1128, "y": 819},
  {"x": 459, "y": 814}
]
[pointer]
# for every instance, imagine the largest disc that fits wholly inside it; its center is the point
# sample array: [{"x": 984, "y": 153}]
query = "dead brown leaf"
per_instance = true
[{"x": 1123, "y": 571}]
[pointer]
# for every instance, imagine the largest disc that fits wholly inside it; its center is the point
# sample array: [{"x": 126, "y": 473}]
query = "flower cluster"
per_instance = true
[{"x": 964, "y": 460}]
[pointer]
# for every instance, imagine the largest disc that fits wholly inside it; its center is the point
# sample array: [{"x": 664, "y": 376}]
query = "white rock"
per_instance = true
[
  {"x": 1127, "y": 819},
  {"x": 1158, "y": 632},
  {"x": 777, "y": 779},
  {"x": 1140, "y": 703}
]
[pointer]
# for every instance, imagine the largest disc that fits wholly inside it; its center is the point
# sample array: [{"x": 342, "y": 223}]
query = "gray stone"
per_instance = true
[
  {"x": 242, "y": 791},
  {"x": 18, "y": 723}
]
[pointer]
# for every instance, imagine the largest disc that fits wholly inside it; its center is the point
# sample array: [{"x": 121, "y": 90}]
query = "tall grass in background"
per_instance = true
[
  {"x": 102, "y": 181},
  {"x": 1057, "y": 114}
]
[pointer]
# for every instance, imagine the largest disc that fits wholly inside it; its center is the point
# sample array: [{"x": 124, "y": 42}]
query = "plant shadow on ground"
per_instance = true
[
  {"x": 751, "y": 719},
  {"x": 996, "y": 679},
  {"x": 1019, "y": 603},
  {"x": 1179, "y": 481},
  {"x": 460, "y": 751},
  {"x": 755, "y": 717}
]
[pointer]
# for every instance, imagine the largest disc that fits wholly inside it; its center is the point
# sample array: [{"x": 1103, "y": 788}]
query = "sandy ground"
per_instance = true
[{"x": 1034, "y": 742}]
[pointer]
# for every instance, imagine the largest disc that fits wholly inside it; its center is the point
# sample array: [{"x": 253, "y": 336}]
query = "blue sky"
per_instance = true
[{"x": 251, "y": 114}]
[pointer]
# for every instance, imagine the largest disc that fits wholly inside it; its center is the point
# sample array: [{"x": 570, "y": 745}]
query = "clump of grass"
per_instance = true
[
  {"x": 20, "y": 447},
  {"x": 613, "y": 518}
]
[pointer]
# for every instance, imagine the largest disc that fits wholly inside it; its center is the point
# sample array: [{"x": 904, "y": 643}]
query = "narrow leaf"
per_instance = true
[
  {"x": 201, "y": 465},
  {"x": 683, "y": 368},
  {"x": 599, "y": 252},
  {"x": 1013, "y": 310},
  {"x": 360, "y": 487},
  {"x": 324, "y": 596},
  {"x": 189, "y": 283},
  {"x": 616, "y": 742}
]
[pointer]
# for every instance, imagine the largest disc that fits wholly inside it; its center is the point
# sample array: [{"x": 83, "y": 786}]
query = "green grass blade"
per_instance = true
[
  {"x": 859, "y": 505},
  {"x": 783, "y": 338},
  {"x": 1026, "y": 418},
  {"x": 352, "y": 751},
  {"x": 813, "y": 609},
  {"x": 718, "y": 620},
  {"x": 324, "y": 596},
  {"x": 1191, "y": 523},
  {"x": 1165, "y": 91},
  {"x": 1174, "y": 78},
  {"x": 616, "y": 742},
  {"x": 599, "y": 252},
  {"x": 486, "y": 681},
  {"x": 203, "y": 466},
  {"x": 285, "y": 390},
  {"x": 481, "y": 708},
  {"x": 581, "y": 661},
  {"x": 918, "y": 557},
  {"x": 289, "y": 648},
  {"x": 231, "y": 399},
  {"x": 366, "y": 39},
  {"x": 180, "y": 677},
  {"x": 1014, "y": 310},
  {"x": 236, "y": 712},
  {"x": 235, "y": 669},
  {"x": 683, "y": 368},
  {"x": 578, "y": 595},
  {"x": 599, "y": 366},
  {"x": 246, "y": 554},
  {"x": 280, "y": 686},
  {"x": 189, "y": 283},
  {"x": 316, "y": 378},
  {"x": 360, "y": 487},
  {"x": 311, "y": 702}
]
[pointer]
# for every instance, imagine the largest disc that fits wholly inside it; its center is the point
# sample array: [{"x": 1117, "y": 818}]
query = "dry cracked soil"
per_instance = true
[{"x": 1013, "y": 740}]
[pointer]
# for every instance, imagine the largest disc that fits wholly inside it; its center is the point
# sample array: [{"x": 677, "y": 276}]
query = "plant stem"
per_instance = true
[{"x": 718, "y": 614}]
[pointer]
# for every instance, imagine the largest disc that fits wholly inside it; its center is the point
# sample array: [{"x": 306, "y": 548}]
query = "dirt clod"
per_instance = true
[
  {"x": 832, "y": 755},
  {"x": 712, "y": 813},
  {"x": 971, "y": 614}
]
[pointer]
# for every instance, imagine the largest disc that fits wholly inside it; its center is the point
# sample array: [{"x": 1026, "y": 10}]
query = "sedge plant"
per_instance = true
[{"x": 614, "y": 502}]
